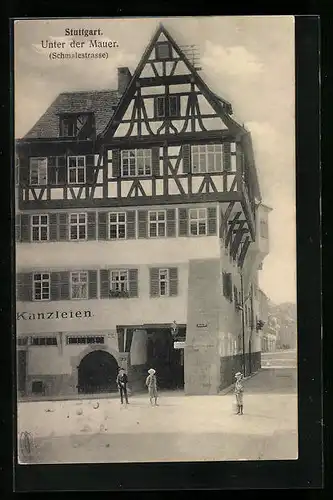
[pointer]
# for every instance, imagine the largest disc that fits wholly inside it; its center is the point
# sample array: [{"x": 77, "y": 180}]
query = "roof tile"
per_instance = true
[{"x": 101, "y": 103}]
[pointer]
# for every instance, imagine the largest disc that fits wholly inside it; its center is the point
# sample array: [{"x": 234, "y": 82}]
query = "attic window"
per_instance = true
[
  {"x": 72, "y": 125},
  {"x": 68, "y": 126},
  {"x": 163, "y": 50}
]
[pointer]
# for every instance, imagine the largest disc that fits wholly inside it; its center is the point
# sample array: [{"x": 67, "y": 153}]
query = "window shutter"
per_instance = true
[
  {"x": 63, "y": 226},
  {"x": 143, "y": 223},
  {"x": 53, "y": 227},
  {"x": 104, "y": 284},
  {"x": 25, "y": 227},
  {"x": 18, "y": 227},
  {"x": 55, "y": 286},
  {"x": 92, "y": 284},
  {"x": 64, "y": 277},
  {"x": 51, "y": 169},
  {"x": 186, "y": 158},
  {"x": 102, "y": 226},
  {"x": 155, "y": 159},
  {"x": 24, "y": 172},
  {"x": 115, "y": 163},
  {"x": 173, "y": 275},
  {"x": 130, "y": 225},
  {"x": 171, "y": 222},
  {"x": 212, "y": 226},
  {"x": 154, "y": 282},
  {"x": 133, "y": 285},
  {"x": 24, "y": 287},
  {"x": 90, "y": 162},
  {"x": 91, "y": 223},
  {"x": 183, "y": 221},
  {"x": 226, "y": 156},
  {"x": 62, "y": 170}
]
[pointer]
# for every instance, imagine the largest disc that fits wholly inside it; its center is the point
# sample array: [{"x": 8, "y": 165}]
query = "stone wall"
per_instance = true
[{"x": 230, "y": 365}]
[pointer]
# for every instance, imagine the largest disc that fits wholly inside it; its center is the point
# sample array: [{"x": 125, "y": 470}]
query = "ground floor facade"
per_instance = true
[{"x": 76, "y": 346}]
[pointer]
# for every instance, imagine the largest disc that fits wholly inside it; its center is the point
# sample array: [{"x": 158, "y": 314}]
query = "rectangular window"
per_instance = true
[
  {"x": 41, "y": 286},
  {"x": 163, "y": 50},
  {"x": 43, "y": 341},
  {"x": 136, "y": 162},
  {"x": 22, "y": 341},
  {"x": 157, "y": 223},
  {"x": 207, "y": 158},
  {"x": 174, "y": 105},
  {"x": 39, "y": 227},
  {"x": 76, "y": 169},
  {"x": 198, "y": 221},
  {"x": 85, "y": 340},
  {"x": 68, "y": 126},
  {"x": 117, "y": 226},
  {"x": 38, "y": 171},
  {"x": 263, "y": 229},
  {"x": 119, "y": 281},
  {"x": 227, "y": 286},
  {"x": 78, "y": 226},
  {"x": 79, "y": 285},
  {"x": 57, "y": 170},
  {"x": 160, "y": 107},
  {"x": 167, "y": 106},
  {"x": 163, "y": 280}
]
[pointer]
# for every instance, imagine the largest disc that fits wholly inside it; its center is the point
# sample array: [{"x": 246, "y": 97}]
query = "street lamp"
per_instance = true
[{"x": 174, "y": 328}]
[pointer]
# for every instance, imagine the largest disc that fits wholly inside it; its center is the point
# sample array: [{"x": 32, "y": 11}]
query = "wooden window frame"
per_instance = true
[
  {"x": 77, "y": 224},
  {"x": 39, "y": 225},
  {"x": 147, "y": 154},
  {"x": 167, "y": 106},
  {"x": 163, "y": 44},
  {"x": 165, "y": 280},
  {"x": 70, "y": 118},
  {"x": 38, "y": 159},
  {"x": 157, "y": 223},
  {"x": 76, "y": 168},
  {"x": 74, "y": 339},
  {"x": 80, "y": 282},
  {"x": 198, "y": 220},
  {"x": 202, "y": 152},
  {"x": 114, "y": 281},
  {"x": 42, "y": 280},
  {"x": 117, "y": 224},
  {"x": 54, "y": 342}
]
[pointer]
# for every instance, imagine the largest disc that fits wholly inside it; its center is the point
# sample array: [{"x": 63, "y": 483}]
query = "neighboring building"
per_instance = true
[
  {"x": 137, "y": 207},
  {"x": 270, "y": 328}
]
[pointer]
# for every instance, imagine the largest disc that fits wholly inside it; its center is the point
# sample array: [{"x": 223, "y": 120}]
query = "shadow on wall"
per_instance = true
[{"x": 232, "y": 364}]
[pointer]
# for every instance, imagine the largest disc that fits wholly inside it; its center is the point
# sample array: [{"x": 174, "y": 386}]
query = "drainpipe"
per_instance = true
[{"x": 243, "y": 323}]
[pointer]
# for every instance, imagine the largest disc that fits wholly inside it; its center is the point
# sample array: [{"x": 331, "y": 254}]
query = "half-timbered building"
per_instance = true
[{"x": 140, "y": 232}]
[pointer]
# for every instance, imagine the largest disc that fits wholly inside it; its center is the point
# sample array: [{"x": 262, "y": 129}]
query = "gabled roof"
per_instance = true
[
  {"x": 221, "y": 106},
  {"x": 102, "y": 103}
]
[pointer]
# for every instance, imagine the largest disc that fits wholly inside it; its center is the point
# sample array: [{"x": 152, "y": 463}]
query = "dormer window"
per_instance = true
[
  {"x": 163, "y": 50},
  {"x": 76, "y": 125}
]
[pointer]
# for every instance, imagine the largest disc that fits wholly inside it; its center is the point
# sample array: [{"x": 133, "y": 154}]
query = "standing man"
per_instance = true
[
  {"x": 122, "y": 382},
  {"x": 151, "y": 383}
]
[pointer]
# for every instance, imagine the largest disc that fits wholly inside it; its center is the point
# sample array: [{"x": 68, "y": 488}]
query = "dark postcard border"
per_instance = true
[{"x": 307, "y": 471}]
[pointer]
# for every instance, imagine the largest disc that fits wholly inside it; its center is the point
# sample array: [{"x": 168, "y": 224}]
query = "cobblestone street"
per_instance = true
[{"x": 181, "y": 428}]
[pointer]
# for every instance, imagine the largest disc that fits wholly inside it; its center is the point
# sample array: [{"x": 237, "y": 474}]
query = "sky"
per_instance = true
[{"x": 249, "y": 61}]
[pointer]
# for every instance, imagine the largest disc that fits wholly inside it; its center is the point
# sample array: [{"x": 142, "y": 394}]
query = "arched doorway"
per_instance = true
[{"x": 97, "y": 373}]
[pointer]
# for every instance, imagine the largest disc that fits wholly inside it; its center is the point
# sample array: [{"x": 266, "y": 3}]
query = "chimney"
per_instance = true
[{"x": 124, "y": 77}]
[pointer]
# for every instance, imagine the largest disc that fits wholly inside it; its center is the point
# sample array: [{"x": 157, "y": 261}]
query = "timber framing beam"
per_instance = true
[{"x": 129, "y": 202}]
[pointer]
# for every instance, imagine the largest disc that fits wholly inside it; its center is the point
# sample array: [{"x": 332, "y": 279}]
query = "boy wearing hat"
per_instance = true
[
  {"x": 151, "y": 383},
  {"x": 239, "y": 389}
]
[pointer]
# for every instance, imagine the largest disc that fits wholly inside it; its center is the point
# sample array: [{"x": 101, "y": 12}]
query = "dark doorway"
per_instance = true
[
  {"x": 97, "y": 373},
  {"x": 165, "y": 359},
  {"x": 21, "y": 371}
]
